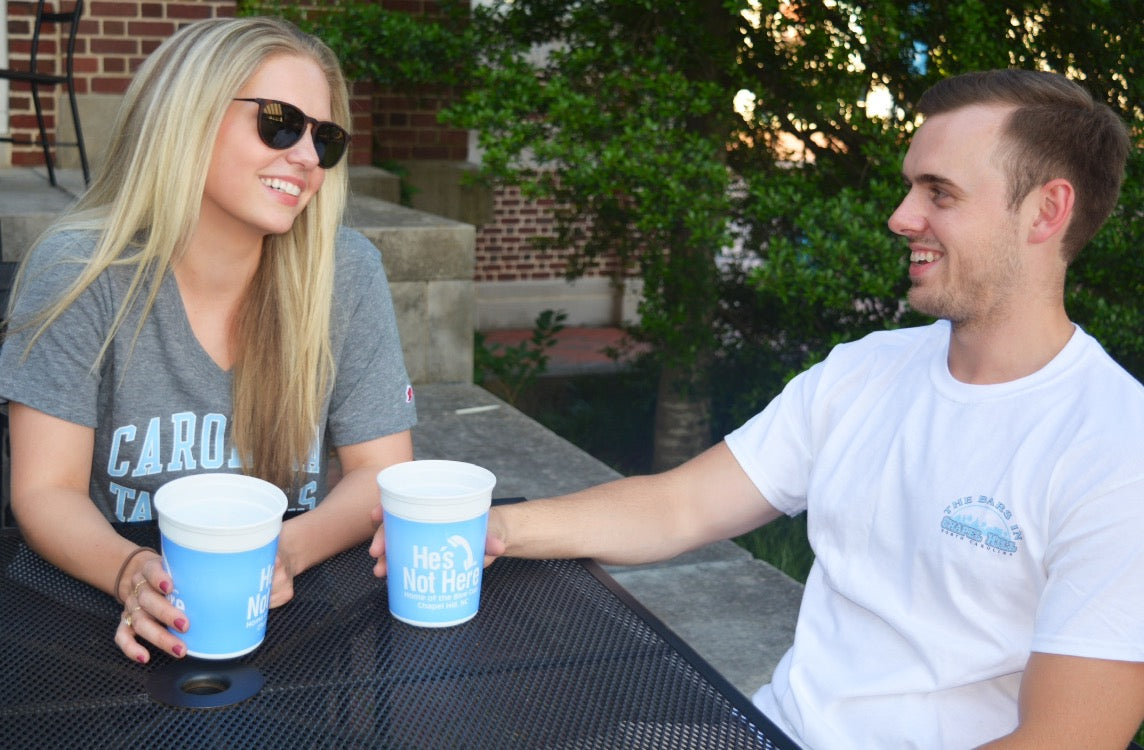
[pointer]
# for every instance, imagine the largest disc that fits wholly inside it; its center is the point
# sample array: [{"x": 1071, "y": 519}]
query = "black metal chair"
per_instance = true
[{"x": 36, "y": 77}]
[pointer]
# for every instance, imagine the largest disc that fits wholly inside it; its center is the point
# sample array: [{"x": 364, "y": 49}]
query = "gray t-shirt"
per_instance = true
[{"x": 161, "y": 407}]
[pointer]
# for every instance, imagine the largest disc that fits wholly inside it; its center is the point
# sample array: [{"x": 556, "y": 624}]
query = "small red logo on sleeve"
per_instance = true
[{"x": 408, "y": 394}]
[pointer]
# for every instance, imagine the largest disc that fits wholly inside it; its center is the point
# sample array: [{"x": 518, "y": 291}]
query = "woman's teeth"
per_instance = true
[{"x": 282, "y": 186}]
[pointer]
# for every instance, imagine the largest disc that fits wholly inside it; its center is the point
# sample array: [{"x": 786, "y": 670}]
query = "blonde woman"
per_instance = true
[{"x": 202, "y": 309}]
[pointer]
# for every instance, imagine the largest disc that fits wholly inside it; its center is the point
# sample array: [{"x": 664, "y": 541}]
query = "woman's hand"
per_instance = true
[
  {"x": 377, "y": 547},
  {"x": 147, "y": 613},
  {"x": 282, "y": 587}
]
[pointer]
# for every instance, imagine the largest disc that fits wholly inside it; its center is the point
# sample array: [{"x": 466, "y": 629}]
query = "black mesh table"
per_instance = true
[{"x": 559, "y": 656}]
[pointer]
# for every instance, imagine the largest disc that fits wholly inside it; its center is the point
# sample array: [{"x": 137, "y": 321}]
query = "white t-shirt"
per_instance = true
[{"x": 956, "y": 529}]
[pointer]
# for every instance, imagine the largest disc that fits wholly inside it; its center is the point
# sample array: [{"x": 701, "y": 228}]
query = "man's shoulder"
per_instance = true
[
  {"x": 1097, "y": 357},
  {"x": 876, "y": 359},
  {"x": 892, "y": 344},
  {"x": 899, "y": 337},
  {"x": 1104, "y": 385}
]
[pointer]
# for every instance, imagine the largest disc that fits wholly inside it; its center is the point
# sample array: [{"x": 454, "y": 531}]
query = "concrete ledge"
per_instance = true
[
  {"x": 445, "y": 188},
  {"x": 592, "y": 301},
  {"x": 416, "y": 245},
  {"x": 739, "y": 613},
  {"x": 429, "y": 261},
  {"x": 375, "y": 183},
  {"x": 463, "y": 422}
]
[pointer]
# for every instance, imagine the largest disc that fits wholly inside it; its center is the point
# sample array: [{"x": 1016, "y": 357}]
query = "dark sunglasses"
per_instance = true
[{"x": 281, "y": 125}]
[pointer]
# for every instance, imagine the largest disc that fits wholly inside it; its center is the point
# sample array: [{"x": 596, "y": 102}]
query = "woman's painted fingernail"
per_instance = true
[
  {"x": 141, "y": 659},
  {"x": 181, "y": 625},
  {"x": 165, "y": 587},
  {"x": 178, "y": 650}
]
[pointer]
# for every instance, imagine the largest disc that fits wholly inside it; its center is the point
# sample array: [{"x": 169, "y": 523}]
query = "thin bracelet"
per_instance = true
[{"x": 123, "y": 569}]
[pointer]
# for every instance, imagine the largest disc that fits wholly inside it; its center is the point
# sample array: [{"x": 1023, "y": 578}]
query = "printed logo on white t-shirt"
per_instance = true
[{"x": 983, "y": 522}]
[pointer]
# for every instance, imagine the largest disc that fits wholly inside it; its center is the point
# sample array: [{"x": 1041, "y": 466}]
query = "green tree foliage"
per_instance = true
[
  {"x": 386, "y": 47},
  {"x": 617, "y": 127},
  {"x": 616, "y": 111},
  {"x": 619, "y": 112},
  {"x": 825, "y": 267},
  {"x": 507, "y": 370}
]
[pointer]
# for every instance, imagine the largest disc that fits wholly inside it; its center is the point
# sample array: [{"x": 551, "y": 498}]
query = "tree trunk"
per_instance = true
[{"x": 682, "y": 416}]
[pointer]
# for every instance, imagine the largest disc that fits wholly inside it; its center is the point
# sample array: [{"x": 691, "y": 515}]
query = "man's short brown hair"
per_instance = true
[{"x": 1056, "y": 130}]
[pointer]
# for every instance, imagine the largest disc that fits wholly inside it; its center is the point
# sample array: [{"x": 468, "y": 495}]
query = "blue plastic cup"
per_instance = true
[
  {"x": 219, "y": 536},
  {"x": 435, "y": 517}
]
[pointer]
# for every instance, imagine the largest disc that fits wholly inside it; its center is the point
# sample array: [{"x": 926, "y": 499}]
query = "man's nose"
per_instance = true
[{"x": 906, "y": 220}]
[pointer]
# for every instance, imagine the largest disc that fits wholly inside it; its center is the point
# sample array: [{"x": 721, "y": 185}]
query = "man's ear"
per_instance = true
[{"x": 1055, "y": 201}]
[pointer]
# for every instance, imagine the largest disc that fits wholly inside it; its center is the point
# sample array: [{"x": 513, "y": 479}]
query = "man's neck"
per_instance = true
[{"x": 984, "y": 354}]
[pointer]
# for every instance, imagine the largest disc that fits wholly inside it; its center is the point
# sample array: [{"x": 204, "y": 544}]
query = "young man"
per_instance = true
[{"x": 974, "y": 488}]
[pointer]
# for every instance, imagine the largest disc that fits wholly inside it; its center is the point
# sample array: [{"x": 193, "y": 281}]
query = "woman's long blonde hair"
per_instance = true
[{"x": 145, "y": 203}]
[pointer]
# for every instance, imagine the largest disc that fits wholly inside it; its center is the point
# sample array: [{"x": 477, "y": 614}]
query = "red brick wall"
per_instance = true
[
  {"x": 114, "y": 37},
  {"x": 405, "y": 128},
  {"x": 389, "y": 126},
  {"x": 504, "y": 249},
  {"x": 117, "y": 35}
]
